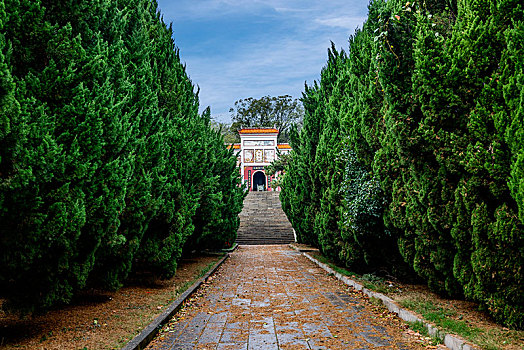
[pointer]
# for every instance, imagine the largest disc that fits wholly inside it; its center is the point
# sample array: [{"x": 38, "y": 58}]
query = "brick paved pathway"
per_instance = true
[{"x": 271, "y": 297}]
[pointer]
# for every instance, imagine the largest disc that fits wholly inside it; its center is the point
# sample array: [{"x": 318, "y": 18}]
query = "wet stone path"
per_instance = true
[{"x": 271, "y": 297}]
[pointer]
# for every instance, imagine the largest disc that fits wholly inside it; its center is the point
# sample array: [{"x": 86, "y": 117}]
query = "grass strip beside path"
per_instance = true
[{"x": 449, "y": 316}]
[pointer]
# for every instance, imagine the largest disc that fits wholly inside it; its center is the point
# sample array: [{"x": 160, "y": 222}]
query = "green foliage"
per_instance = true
[
  {"x": 362, "y": 230},
  {"x": 280, "y": 112},
  {"x": 279, "y": 164},
  {"x": 105, "y": 164},
  {"x": 296, "y": 193},
  {"x": 327, "y": 170},
  {"x": 216, "y": 220},
  {"x": 277, "y": 167},
  {"x": 230, "y": 136},
  {"x": 512, "y": 83},
  {"x": 464, "y": 106},
  {"x": 430, "y": 103}
]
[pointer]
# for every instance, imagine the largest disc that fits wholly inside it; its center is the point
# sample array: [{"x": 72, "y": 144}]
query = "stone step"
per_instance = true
[
  {"x": 264, "y": 242},
  {"x": 265, "y": 224},
  {"x": 274, "y": 230},
  {"x": 262, "y": 220}
]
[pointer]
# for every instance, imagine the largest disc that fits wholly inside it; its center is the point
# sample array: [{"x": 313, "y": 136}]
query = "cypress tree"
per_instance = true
[
  {"x": 365, "y": 99},
  {"x": 216, "y": 218},
  {"x": 296, "y": 195},
  {"x": 367, "y": 244},
  {"x": 494, "y": 229},
  {"x": 11, "y": 136},
  {"x": 407, "y": 168},
  {"x": 9, "y": 108},
  {"x": 433, "y": 105},
  {"x": 169, "y": 229},
  {"x": 458, "y": 83},
  {"x": 45, "y": 208},
  {"x": 329, "y": 165},
  {"x": 98, "y": 168},
  {"x": 136, "y": 92},
  {"x": 513, "y": 81},
  {"x": 307, "y": 179}
]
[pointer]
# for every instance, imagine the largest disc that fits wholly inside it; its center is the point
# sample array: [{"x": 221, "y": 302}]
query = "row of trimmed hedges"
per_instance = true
[
  {"x": 106, "y": 165},
  {"x": 413, "y": 146}
]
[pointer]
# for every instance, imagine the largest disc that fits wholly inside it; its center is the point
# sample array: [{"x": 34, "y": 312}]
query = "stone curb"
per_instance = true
[
  {"x": 229, "y": 250},
  {"x": 451, "y": 341},
  {"x": 144, "y": 338}
]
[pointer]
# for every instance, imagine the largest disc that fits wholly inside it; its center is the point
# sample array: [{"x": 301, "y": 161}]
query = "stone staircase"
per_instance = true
[{"x": 262, "y": 221}]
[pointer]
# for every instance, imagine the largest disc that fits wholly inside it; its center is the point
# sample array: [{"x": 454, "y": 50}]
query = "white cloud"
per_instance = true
[
  {"x": 205, "y": 9},
  {"x": 261, "y": 69},
  {"x": 291, "y": 10},
  {"x": 289, "y": 47},
  {"x": 346, "y": 22}
]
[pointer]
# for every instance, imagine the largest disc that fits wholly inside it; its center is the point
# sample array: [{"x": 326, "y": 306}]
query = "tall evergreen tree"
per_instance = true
[
  {"x": 513, "y": 80},
  {"x": 491, "y": 213},
  {"x": 46, "y": 252},
  {"x": 10, "y": 134},
  {"x": 434, "y": 117},
  {"x": 136, "y": 91},
  {"x": 216, "y": 219},
  {"x": 98, "y": 168},
  {"x": 297, "y": 187},
  {"x": 329, "y": 165}
]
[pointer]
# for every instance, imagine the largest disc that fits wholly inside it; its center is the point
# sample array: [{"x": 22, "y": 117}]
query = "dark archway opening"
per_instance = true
[{"x": 259, "y": 179}]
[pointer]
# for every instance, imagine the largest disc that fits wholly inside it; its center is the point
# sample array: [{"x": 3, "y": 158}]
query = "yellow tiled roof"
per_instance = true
[{"x": 258, "y": 131}]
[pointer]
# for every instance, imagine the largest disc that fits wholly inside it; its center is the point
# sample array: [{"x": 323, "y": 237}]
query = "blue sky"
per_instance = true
[{"x": 235, "y": 49}]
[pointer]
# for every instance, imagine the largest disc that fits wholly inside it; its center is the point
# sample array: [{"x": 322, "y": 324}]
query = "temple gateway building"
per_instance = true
[{"x": 257, "y": 149}]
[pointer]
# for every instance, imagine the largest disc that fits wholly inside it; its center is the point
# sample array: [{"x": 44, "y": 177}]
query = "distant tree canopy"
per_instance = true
[
  {"x": 229, "y": 135},
  {"x": 277, "y": 112}
]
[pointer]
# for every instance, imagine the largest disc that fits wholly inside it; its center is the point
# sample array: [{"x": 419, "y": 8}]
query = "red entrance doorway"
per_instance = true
[{"x": 259, "y": 181}]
